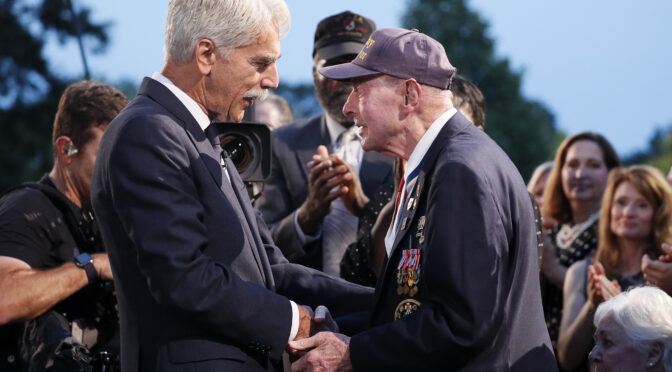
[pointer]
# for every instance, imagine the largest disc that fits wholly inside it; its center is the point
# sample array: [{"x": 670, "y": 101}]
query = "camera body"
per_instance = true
[{"x": 249, "y": 147}]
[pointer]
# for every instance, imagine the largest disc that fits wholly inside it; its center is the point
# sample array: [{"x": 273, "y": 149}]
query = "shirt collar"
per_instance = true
[
  {"x": 426, "y": 141},
  {"x": 336, "y": 129},
  {"x": 188, "y": 102}
]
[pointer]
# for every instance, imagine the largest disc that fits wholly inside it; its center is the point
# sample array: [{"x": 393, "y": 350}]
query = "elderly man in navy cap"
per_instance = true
[{"x": 460, "y": 289}]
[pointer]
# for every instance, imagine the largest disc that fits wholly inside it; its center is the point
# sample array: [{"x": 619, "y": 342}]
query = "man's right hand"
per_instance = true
[{"x": 321, "y": 182}]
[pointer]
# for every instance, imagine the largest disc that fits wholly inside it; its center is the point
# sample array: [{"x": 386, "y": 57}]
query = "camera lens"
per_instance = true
[{"x": 238, "y": 149}]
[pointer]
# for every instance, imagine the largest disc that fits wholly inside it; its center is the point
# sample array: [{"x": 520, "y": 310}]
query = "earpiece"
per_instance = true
[{"x": 69, "y": 149}]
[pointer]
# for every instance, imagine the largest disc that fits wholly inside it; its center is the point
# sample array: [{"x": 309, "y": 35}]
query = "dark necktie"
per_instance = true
[{"x": 213, "y": 135}]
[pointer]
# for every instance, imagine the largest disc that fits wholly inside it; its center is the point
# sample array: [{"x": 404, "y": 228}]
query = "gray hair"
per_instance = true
[
  {"x": 228, "y": 23},
  {"x": 645, "y": 314}
]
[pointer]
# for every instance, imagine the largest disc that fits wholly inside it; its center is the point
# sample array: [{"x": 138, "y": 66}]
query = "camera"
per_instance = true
[{"x": 249, "y": 147}]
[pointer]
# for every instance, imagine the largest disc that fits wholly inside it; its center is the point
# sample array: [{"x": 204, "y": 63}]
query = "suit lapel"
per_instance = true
[
  {"x": 408, "y": 214},
  {"x": 251, "y": 227},
  {"x": 455, "y": 125},
  {"x": 164, "y": 97}
]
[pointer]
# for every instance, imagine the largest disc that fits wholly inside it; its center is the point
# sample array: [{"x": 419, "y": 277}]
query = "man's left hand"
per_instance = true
[{"x": 330, "y": 352}]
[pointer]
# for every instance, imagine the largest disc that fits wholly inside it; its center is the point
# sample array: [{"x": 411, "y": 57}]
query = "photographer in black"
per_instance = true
[{"x": 57, "y": 309}]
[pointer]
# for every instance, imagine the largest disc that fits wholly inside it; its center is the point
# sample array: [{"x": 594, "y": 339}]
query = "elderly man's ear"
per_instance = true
[
  {"x": 412, "y": 93},
  {"x": 205, "y": 55}
]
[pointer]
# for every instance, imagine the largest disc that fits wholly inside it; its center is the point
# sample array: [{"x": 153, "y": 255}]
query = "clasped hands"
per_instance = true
[
  {"x": 329, "y": 178},
  {"x": 316, "y": 346},
  {"x": 600, "y": 288},
  {"x": 656, "y": 272}
]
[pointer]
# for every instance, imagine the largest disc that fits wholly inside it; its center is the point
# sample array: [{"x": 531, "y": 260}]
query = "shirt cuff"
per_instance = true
[
  {"x": 295, "y": 321},
  {"x": 303, "y": 238}
]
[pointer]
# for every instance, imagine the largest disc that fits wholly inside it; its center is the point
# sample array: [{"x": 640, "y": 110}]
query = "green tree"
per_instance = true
[
  {"x": 524, "y": 128},
  {"x": 29, "y": 91},
  {"x": 659, "y": 152}
]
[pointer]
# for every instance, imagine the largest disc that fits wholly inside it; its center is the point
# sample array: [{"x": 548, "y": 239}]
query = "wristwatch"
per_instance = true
[{"x": 85, "y": 261}]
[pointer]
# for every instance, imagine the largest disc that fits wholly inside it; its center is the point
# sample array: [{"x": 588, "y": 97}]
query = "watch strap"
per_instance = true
[{"x": 90, "y": 272}]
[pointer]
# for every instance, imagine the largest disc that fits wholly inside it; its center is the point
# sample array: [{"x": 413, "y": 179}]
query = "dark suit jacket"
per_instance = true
[
  {"x": 199, "y": 282},
  {"x": 478, "y": 288},
  {"x": 287, "y": 186}
]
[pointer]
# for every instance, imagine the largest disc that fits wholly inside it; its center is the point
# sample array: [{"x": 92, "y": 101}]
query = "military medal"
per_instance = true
[
  {"x": 420, "y": 234},
  {"x": 401, "y": 273},
  {"x": 413, "y": 272}
]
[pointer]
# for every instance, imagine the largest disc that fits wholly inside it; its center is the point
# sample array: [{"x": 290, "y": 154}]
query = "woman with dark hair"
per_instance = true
[
  {"x": 572, "y": 198},
  {"x": 635, "y": 219}
]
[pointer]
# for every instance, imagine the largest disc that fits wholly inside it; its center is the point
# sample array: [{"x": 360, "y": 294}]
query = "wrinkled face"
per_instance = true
[
  {"x": 233, "y": 84},
  {"x": 538, "y": 189},
  {"x": 631, "y": 213},
  {"x": 373, "y": 104},
  {"x": 614, "y": 351},
  {"x": 584, "y": 174},
  {"x": 81, "y": 166},
  {"x": 332, "y": 94}
]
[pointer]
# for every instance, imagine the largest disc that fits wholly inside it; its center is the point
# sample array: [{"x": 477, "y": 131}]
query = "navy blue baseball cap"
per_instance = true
[{"x": 405, "y": 54}]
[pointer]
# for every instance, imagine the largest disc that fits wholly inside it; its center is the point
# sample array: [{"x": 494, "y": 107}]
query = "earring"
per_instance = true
[{"x": 650, "y": 364}]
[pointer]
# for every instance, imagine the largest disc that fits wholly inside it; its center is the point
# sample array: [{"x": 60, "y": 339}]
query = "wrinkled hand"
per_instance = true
[
  {"x": 102, "y": 264},
  {"x": 305, "y": 322},
  {"x": 322, "y": 180},
  {"x": 353, "y": 197},
  {"x": 330, "y": 352},
  {"x": 312, "y": 322},
  {"x": 659, "y": 272}
]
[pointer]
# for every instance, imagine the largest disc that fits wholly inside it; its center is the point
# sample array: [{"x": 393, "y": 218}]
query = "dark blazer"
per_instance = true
[
  {"x": 286, "y": 188},
  {"x": 199, "y": 282},
  {"x": 477, "y": 306}
]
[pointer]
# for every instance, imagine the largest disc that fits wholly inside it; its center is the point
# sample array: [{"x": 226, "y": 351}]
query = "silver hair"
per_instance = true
[
  {"x": 645, "y": 315},
  {"x": 228, "y": 23}
]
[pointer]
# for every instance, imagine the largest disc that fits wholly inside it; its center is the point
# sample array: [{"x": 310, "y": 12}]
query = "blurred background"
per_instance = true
[{"x": 547, "y": 69}]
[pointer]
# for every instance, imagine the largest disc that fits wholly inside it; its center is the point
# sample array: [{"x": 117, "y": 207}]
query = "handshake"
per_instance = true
[{"x": 317, "y": 345}]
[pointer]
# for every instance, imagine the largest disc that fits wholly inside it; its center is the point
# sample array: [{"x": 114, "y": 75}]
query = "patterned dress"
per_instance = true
[
  {"x": 356, "y": 262},
  {"x": 567, "y": 252}
]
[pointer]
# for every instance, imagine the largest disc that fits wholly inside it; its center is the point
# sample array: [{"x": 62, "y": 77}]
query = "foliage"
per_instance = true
[
  {"x": 29, "y": 91},
  {"x": 659, "y": 152},
  {"x": 524, "y": 128}
]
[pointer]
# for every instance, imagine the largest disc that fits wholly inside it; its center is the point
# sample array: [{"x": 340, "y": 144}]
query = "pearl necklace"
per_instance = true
[{"x": 568, "y": 233}]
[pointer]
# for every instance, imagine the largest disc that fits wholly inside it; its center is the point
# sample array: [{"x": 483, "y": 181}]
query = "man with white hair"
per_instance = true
[
  {"x": 200, "y": 284},
  {"x": 460, "y": 288}
]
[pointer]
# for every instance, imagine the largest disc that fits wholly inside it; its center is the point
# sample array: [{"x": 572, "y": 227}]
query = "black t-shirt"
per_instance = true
[{"x": 34, "y": 230}]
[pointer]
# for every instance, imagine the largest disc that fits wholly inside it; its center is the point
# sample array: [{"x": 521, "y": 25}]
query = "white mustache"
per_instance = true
[{"x": 258, "y": 94}]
